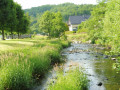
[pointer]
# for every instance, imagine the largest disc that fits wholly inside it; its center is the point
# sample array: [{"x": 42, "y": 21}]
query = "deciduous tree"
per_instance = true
[{"x": 5, "y": 15}]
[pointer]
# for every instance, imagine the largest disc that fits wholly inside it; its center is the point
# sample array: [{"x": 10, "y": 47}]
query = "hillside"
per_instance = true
[{"x": 66, "y": 9}]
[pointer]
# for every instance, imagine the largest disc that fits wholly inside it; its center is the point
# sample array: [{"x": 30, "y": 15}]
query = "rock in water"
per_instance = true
[
  {"x": 113, "y": 58},
  {"x": 106, "y": 56},
  {"x": 99, "y": 84}
]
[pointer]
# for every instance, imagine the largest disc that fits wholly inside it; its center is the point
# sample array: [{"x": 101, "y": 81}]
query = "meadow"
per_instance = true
[{"x": 23, "y": 62}]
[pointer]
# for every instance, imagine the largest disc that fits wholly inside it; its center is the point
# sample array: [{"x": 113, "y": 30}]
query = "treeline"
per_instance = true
[
  {"x": 52, "y": 24},
  {"x": 66, "y": 10},
  {"x": 104, "y": 24},
  {"x": 12, "y": 19}
]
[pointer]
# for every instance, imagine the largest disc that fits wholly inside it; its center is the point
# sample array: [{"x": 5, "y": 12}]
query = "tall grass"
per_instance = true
[
  {"x": 73, "y": 80},
  {"x": 20, "y": 68}
]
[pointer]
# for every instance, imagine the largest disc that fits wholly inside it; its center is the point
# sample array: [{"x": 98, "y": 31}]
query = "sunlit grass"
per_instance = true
[
  {"x": 78, "y": 37},
  {"x": 15, "y": 44},
  {"x": 72, "y": 80},
  {"x": 24, "y": 61}
]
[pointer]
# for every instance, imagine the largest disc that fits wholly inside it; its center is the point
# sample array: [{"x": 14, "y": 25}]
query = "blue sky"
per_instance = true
[{"x": 34, "y": 3}]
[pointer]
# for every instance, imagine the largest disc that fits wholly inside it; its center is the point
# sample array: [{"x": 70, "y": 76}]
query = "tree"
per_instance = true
[
  {"x": 25, "y": 24},
  {"x": 5, "y": 14},
  {"x": 46, "y": 22},
  {"x": 52, "y": 23},
  {"x": 95, "y": 23},
  {"x": 58, "y": 26},
  {"x": 13, "y": 19},
  {"x": 20, "y": 15}
]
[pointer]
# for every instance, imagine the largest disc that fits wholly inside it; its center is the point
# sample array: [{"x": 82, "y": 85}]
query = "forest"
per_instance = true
[{"x": 66, "y": 9}]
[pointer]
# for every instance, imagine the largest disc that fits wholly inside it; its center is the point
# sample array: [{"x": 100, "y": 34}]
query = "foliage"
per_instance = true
[
  {"x": 52, "y": 24},
  {"x": 5, "y": 13},
  {"x": 72, "y": 80},
  {"x": 66, "y": 10},
  {"x": 104, "y": 24},
  {"x": 12, "y": 18},
  {"x": 95, "y": 23},
  {"x": 22, "y": 66}
]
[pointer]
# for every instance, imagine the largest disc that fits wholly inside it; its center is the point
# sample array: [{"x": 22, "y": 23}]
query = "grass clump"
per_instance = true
[
  {"x": 15, "y": 74},
  {"x": 73, "y": 80}
]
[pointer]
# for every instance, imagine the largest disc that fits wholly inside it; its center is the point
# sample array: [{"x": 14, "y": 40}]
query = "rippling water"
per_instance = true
[{"x": 98, "y": 67}]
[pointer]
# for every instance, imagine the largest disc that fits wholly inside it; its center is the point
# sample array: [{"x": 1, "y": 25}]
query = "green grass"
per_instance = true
[
  {"x": 72, "y": 80},
  {"x": 25, "y": 61},
  {"x": 78, "y": 37}
]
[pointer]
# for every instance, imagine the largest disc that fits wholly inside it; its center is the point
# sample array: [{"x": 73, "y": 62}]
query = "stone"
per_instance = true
[
  {"x": 99, "y": 84},
  {"x": 113, "y": 58},
  {"x": 105, "y": 56}
]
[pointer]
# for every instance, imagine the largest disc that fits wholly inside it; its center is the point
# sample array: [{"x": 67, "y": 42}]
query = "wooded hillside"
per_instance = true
[{"x": 66, "y": 9}]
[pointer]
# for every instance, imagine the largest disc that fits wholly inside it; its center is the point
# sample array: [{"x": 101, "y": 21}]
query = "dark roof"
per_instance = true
[{"x": 78, "y": 19}]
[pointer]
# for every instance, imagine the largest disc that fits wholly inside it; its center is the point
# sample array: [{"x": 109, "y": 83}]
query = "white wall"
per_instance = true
[{"x": 72, "y": 27}]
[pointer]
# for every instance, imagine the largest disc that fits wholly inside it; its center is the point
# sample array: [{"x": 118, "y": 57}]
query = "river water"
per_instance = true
[{"x": 97, "y": 66}]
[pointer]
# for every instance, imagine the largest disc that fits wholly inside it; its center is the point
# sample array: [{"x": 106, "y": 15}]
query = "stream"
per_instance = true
[{"x": 97, "y": 66}]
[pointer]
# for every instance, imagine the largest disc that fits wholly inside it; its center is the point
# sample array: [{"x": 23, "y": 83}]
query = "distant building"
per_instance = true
[{"x": 74, "y": 21}]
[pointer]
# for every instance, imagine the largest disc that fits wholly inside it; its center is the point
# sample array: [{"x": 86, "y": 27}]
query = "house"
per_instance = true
[{"x": 74, "y": 21}]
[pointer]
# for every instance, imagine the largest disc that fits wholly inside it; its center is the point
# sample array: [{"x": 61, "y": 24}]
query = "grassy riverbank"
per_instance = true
[
  {"x": 25, "y": 61},
  {"x": 72, "y": 80},
  {"x": 78, "y": 36}
]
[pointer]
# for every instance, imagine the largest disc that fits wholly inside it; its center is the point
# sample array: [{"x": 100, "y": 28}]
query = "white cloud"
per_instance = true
[{"x": 34, "y": 3}]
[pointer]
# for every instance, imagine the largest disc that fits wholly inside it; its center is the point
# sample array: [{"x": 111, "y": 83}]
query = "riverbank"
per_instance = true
[
  {"x": 23, "y": 62},
  {"x": 97, "y": 67}
]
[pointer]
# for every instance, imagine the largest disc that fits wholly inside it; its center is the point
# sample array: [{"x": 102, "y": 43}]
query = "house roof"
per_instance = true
[{"x": 77, "y": 19}]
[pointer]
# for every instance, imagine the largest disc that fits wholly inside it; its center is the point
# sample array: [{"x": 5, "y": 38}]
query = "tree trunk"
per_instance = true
[
  {"x": 3, "y": 35},
  {"x": 49, "y": 33},
  {"x": 18, "y": 35},
  {"x": 11, "y": 34}
]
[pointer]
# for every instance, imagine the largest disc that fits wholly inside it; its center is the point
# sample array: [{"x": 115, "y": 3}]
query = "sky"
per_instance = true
[{"x": 26, "y": 4}]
